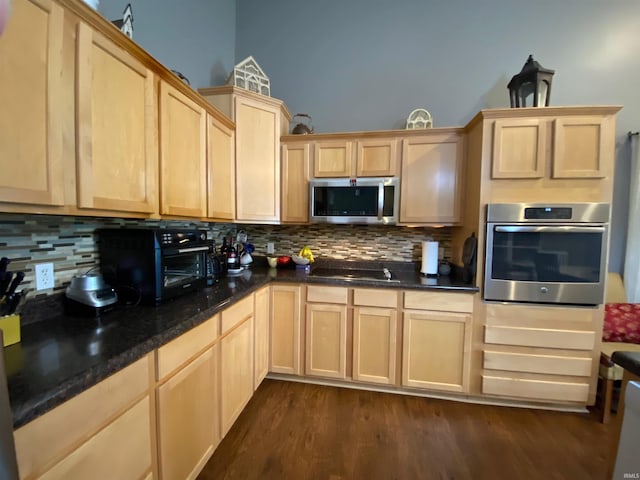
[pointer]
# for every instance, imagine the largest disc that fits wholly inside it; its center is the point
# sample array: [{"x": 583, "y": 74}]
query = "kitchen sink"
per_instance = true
[{"x": 352, "y": 274}]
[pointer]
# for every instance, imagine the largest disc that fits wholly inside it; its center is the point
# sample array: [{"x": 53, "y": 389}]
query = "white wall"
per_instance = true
[
  {"x": 366, "y": 64},
  {"x": 194, "y": 37}
]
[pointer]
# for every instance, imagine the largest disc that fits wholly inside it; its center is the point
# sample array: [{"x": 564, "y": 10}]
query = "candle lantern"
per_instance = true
[{"x": 533, "y": 81}]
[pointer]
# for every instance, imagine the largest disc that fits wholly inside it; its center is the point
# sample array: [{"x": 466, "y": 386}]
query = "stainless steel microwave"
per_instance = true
[{"x": 354, "y": 200}]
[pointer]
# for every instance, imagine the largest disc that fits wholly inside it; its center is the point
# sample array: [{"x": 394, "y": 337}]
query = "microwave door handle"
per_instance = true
[
  {"x": 193, "y": 249},
  {"x": 380, "y": 200},
  {"x": 547, "y": 229}
]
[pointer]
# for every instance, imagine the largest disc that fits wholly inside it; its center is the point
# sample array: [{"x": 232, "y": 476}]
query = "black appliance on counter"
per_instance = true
[{"x": 153, "y": 264}]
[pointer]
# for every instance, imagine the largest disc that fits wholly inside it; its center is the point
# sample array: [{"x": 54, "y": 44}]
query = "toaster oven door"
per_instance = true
[{"x": 182, "y": 269}]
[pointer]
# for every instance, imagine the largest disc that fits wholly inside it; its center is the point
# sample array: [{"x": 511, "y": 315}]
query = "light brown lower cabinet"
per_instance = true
[
  {"x": 188, "y": 417},
  {"x": 436, "y": 345},
  {"x": 261, "y": 336},
  {"x": 236, "y": 363},
  {"x": 82, "y": 437},
  {"x": 435, "y": 354},
  {"x": 326, "y": 340},
  {"x": 374, "y": 345},
  {"x": 120, "y": 450},
  {"x": 375, "y": 326},
  {"x": 286, "y": 314}
]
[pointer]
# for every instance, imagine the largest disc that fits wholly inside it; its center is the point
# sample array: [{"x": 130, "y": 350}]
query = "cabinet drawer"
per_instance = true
[
  {"x": 51, "y": 435},
  {"x": 535, "y": 389},
  {"x": 178, "y": 351},
  {"x": 327, "y": 294},
  {"x": 127, "y": 439},
  {"x": 233, "y": 315},
  {"x": 375, "y": 297},
  {"x": 447, "y": 302},
  {"x": 537, "y": 363},
  {"x": 539, "y": 337}
]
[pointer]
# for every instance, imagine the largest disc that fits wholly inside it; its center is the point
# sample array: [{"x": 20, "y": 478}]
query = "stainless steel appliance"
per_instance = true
[
  {"x": 155, "y": 264},
  {"x": 8, "y": 462},
  {"x": 90, "y": 294},
  {"x": 354, "y": 200},
  {"x": 547, "y": 253}
]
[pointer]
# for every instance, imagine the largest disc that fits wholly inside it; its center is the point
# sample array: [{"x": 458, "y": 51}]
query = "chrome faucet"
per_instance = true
[{"x": 387, "y": 273}]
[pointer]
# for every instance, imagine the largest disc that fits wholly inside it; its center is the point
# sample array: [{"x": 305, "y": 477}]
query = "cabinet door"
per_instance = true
[
  {"x": 261, "y": 336},
  {"x": 285, "y": 330},
  {"x": 519, "y": 148},
  {"x": 333, "y": 158},
  {"x": 122, "y": 449},
  {"x": 183, "y": 154},
  {"x": 326, "y": 340},
  {"x": 295, "y": 183},
  {"x": 435, "y": 352},
  {"x": 374, "y": 345},
  {"x": 188, "y": 417},
  {"x": 581, "y": 148},
  {"x": 257, "y": 160},
  {"x": 431, "y": 187},
  {"x": 117, "y": 143},
  {"x": 221, "y": 172},
  {"x": 376, "y": 158},
  {"x": 236, "y": 364},
  {"x": 31, "y": 104}
]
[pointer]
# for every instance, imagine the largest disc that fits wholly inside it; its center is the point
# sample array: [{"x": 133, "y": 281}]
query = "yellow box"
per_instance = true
[{"x": 10, "y": 326}]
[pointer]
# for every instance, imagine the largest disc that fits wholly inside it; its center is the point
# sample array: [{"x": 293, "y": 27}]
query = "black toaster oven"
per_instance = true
[{"x": 154, "y": 264}]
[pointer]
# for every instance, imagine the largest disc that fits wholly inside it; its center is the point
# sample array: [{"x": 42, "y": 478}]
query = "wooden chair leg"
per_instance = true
[{"x": 607, "y": 400}]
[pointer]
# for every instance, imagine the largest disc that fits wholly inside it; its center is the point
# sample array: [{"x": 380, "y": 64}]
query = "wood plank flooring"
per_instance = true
[{"x": 300, "y": 431}]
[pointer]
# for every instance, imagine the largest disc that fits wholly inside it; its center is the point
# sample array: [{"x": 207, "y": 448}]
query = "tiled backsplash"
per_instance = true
[{"x": 69, "y": 242}]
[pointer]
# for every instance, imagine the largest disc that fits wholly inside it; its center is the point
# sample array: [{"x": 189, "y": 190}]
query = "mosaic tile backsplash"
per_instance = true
[{"x": 70, "y": 244}]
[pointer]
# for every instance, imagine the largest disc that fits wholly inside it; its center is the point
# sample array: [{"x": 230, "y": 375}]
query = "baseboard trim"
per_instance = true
[{"x": 498, "y": 402}]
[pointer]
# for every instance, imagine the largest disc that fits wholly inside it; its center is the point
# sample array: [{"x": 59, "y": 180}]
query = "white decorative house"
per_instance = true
[
  {"x": 419, "y": 118},
  {"x": 248, "y": 75}
]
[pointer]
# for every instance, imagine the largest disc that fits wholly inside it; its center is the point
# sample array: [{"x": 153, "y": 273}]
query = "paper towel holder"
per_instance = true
[{"x": 430, "y": 257}]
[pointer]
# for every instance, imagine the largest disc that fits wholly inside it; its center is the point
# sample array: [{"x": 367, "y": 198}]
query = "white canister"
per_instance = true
[{"x": 429, "y": 258}]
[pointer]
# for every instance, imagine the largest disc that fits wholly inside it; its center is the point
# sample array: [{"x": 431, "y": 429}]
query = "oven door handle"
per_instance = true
[
  {"x": 547, "y": 229},
  {"x": 380, "y": 200},
  {"x": 192, "y": 249}
]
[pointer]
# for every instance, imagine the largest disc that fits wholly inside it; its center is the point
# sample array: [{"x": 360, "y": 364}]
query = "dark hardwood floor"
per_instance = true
[{"x": 300, "y": 431}]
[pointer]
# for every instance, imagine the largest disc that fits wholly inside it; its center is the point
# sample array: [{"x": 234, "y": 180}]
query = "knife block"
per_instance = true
[{"x": 10, "y": 326}]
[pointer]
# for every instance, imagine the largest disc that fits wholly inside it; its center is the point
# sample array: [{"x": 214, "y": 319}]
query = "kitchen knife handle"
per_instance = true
[{"x": 16, "y": 281}]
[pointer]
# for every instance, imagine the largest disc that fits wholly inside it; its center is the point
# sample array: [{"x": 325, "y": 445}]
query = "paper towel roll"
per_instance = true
[{"x": 429, "y": 258}]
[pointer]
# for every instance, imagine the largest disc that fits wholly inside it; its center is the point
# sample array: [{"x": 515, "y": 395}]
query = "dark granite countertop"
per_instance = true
[
  {"x": 628, "y": 360},
  {"x": 60, "y": 357}
]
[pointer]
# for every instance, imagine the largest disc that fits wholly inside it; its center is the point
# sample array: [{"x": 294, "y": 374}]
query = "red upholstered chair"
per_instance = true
[{"x": 621, "y": 332}]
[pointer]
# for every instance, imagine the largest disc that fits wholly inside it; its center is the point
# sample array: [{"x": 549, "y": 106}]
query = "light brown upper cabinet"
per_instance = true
[
  {"x": 31, "y": 104},
  {"x": 221, "y": 172},
  {"x": 333, "y": 158},
  {"x": 560, "y": 146},
  {"x": 356, "y": 157},
  {"x": 260, "y": 121},
  {"x": 376, "y": 157},
  {"x": 183, "y": 154},
  {"x": 581, "y": 146},
  {"x": 519, "y": 148},
  {"x": 431, "y": 181},
  {"x": 295, "y": 183},
  {"x": 117, "y": 150}
]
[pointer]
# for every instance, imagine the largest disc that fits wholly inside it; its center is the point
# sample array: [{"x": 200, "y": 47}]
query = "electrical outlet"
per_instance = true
[
  {"x": 270, "y": 248},
  {"x": 44, "y": 276}
]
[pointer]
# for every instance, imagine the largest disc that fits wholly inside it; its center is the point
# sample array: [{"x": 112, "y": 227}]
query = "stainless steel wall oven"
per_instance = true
[{"x": 540, "y": 253}]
